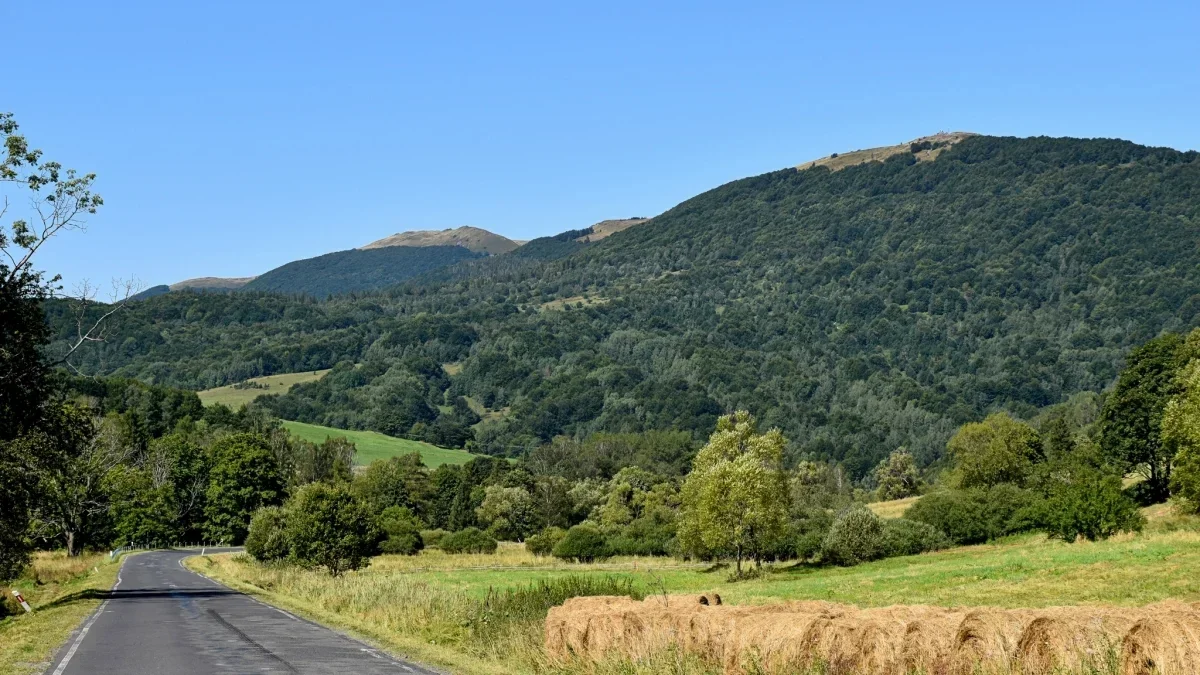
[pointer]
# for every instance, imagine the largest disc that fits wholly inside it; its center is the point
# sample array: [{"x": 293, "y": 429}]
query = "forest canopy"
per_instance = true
[{"x": 860, "y": 311}]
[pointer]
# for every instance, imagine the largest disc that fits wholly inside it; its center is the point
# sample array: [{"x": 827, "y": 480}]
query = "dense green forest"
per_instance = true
[
  {"x": 860, "y": 311},
  {"x": 357, "y": 269}
]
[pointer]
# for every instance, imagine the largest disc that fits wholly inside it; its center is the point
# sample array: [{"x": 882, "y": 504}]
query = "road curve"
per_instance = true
[{"x": 163, "y": 619}]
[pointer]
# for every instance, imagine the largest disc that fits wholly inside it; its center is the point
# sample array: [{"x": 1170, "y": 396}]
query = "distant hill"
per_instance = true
[
  {"x": 357, "y": 270},
  {"x": 151, "y": 292},
  {"x": 212, "y": 283},
  {"x": 470, "y": 238},
  {"x": 859, "y": 304}
]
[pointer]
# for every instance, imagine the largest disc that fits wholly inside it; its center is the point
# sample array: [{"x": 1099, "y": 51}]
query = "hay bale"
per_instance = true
[
  {"x": 987, "y": 638},
  {"x": 1073, "y": 639},
  {"x": 929, "y": 643},
  {"x": 1167, "y": 642},
  {"x": 767, "y": 640}
]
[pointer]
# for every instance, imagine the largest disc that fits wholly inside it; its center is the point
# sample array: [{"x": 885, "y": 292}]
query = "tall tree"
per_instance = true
[
  {"x": 243, "y": 476},
  {"x": 997, "y": 450},
  {"x": 735, "y": 500},
  {"x": 1131, "y": 421},
  {"x": 74, "y": 455},
  {"x": 58, "y": 199}
]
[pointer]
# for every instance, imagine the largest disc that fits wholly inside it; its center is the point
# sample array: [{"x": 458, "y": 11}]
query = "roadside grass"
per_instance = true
[
  {"x": 63, "y": 592},
  {"x": 373, "y": 446},
  {"x": 275, "y": 384},
  {"x": 420, "y": 605}
]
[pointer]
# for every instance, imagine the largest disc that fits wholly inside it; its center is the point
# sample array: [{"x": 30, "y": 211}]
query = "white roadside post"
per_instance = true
[{"x": 21, "y": 599}]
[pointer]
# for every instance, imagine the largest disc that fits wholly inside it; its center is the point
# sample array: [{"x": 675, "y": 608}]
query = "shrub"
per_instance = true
[
  {"x": 401, "y": 531},
  {"x": 644, "y": 536},
  {"x": 433, "y": 538},
  {"x": 909, "y": 537},
  {"x": 470, "y": 540},
  {"x": 976, "y": 516},
  {"x": 543, "y": 543},
  {"x": 855, "y": 537},
  {"x": 1091, "y": 505},
  {"x": 267, "y": 540},
  {"x": 328, "y": 527},
  {"x": 954, "y": 512},
  {"x": 583, "y": 543}
]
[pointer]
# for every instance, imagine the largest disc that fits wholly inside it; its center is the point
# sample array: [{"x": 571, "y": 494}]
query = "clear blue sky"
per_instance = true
[{"x": 232, "y": 137}]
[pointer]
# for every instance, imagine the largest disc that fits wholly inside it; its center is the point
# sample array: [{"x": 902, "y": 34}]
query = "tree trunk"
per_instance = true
[
  {"x": 72, "y": 550},
  {"x": 739, "y": 560}
]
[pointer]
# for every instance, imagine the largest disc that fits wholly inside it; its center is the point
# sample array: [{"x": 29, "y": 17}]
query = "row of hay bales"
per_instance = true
[{"x": 1161, "y": 639}]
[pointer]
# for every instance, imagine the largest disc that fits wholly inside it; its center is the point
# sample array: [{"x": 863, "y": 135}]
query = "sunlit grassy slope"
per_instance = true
[
  {"x": 372, "y": 445},
  {"x": 275, "y": 384}
]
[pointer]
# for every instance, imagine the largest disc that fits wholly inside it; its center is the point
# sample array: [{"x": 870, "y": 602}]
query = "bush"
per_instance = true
[
  {"x": 583, "y": 543},
  {"x": 855, "y": 537},
  {"x": 433, "y": 538},
  {"x": 328, "y": 527},
  {"x": 909, "y": 537},
  {"x": 401, "y": 531},
  {"x": 644, "y": 536},
  {"x": 978, "y": 515},
  {"x": 267, "y": 540},
  {"x": 470, "y": 540},
  {"x": 543, "y": 543},
  {"x": 1091, "y": 505}
]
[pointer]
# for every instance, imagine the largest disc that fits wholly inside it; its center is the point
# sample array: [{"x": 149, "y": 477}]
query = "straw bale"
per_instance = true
[{"x": 1166, "y": 642}]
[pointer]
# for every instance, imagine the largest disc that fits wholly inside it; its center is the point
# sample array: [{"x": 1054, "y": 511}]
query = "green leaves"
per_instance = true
[
  {"x": 997, "y": 450},
  {"x": 735, "y": 500}
]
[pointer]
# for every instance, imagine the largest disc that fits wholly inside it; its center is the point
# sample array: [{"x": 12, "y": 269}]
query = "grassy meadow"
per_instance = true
[
  {"x": 275, "y": 384},
  {"x": 423, "y": 605},
  {"x": 63, "y": 592},
  {"x": 372, "y": 445}
]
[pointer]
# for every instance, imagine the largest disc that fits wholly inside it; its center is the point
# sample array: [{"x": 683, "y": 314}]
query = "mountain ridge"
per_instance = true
[{"x": 859, "y": 310}]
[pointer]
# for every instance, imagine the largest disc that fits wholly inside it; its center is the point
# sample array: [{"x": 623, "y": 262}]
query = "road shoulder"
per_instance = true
[
  {"x": 398, "y": 646},
  {"x": 31, "y": 643}
]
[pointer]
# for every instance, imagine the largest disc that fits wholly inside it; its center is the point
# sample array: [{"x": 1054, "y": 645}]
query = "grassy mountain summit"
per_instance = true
[
  {"x": 211, "y": 283},
  {"x": 470, "y": 238},
  {"x": 861, "y": 309}
]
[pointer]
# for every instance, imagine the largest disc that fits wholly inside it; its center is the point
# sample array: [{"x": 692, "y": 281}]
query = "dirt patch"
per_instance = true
[{"x": 796, "y": 636}]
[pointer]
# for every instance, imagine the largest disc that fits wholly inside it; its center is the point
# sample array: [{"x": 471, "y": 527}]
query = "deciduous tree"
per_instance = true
[{"x": 735, "y": 500}]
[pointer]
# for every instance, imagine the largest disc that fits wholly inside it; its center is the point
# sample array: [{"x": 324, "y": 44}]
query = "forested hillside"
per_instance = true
[
  {"x": 357, "y": 269},
  {"x": 859, "y": 310}
]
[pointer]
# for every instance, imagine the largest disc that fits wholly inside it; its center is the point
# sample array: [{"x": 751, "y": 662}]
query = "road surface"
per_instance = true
[{"x": 163, "y": 619}]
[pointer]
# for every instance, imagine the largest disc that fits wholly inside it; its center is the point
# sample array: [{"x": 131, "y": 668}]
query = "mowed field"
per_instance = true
[
  {"x": 275, "y": 384},
  {"x": 419, "y": 605},
  {"x": 372, "y": 445}
]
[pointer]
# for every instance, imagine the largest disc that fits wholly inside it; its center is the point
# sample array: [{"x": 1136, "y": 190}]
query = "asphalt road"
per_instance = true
[{"x": 163, "y": 619}]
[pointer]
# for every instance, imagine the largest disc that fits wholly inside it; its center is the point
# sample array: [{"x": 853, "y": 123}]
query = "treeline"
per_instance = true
[{"x": 860, "y": 311}]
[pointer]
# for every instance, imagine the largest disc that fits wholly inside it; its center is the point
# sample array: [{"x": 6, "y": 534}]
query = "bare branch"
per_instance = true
[{"x": 95, "y": 330}]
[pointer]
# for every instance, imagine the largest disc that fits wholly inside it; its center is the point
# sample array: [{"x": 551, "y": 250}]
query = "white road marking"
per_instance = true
[{"x": 62, "y": 667}]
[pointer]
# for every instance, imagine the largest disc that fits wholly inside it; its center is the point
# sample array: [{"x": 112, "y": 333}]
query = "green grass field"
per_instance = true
[
  {"x": 372, "y": 445},
  {"x": 275, "y": 384}
]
